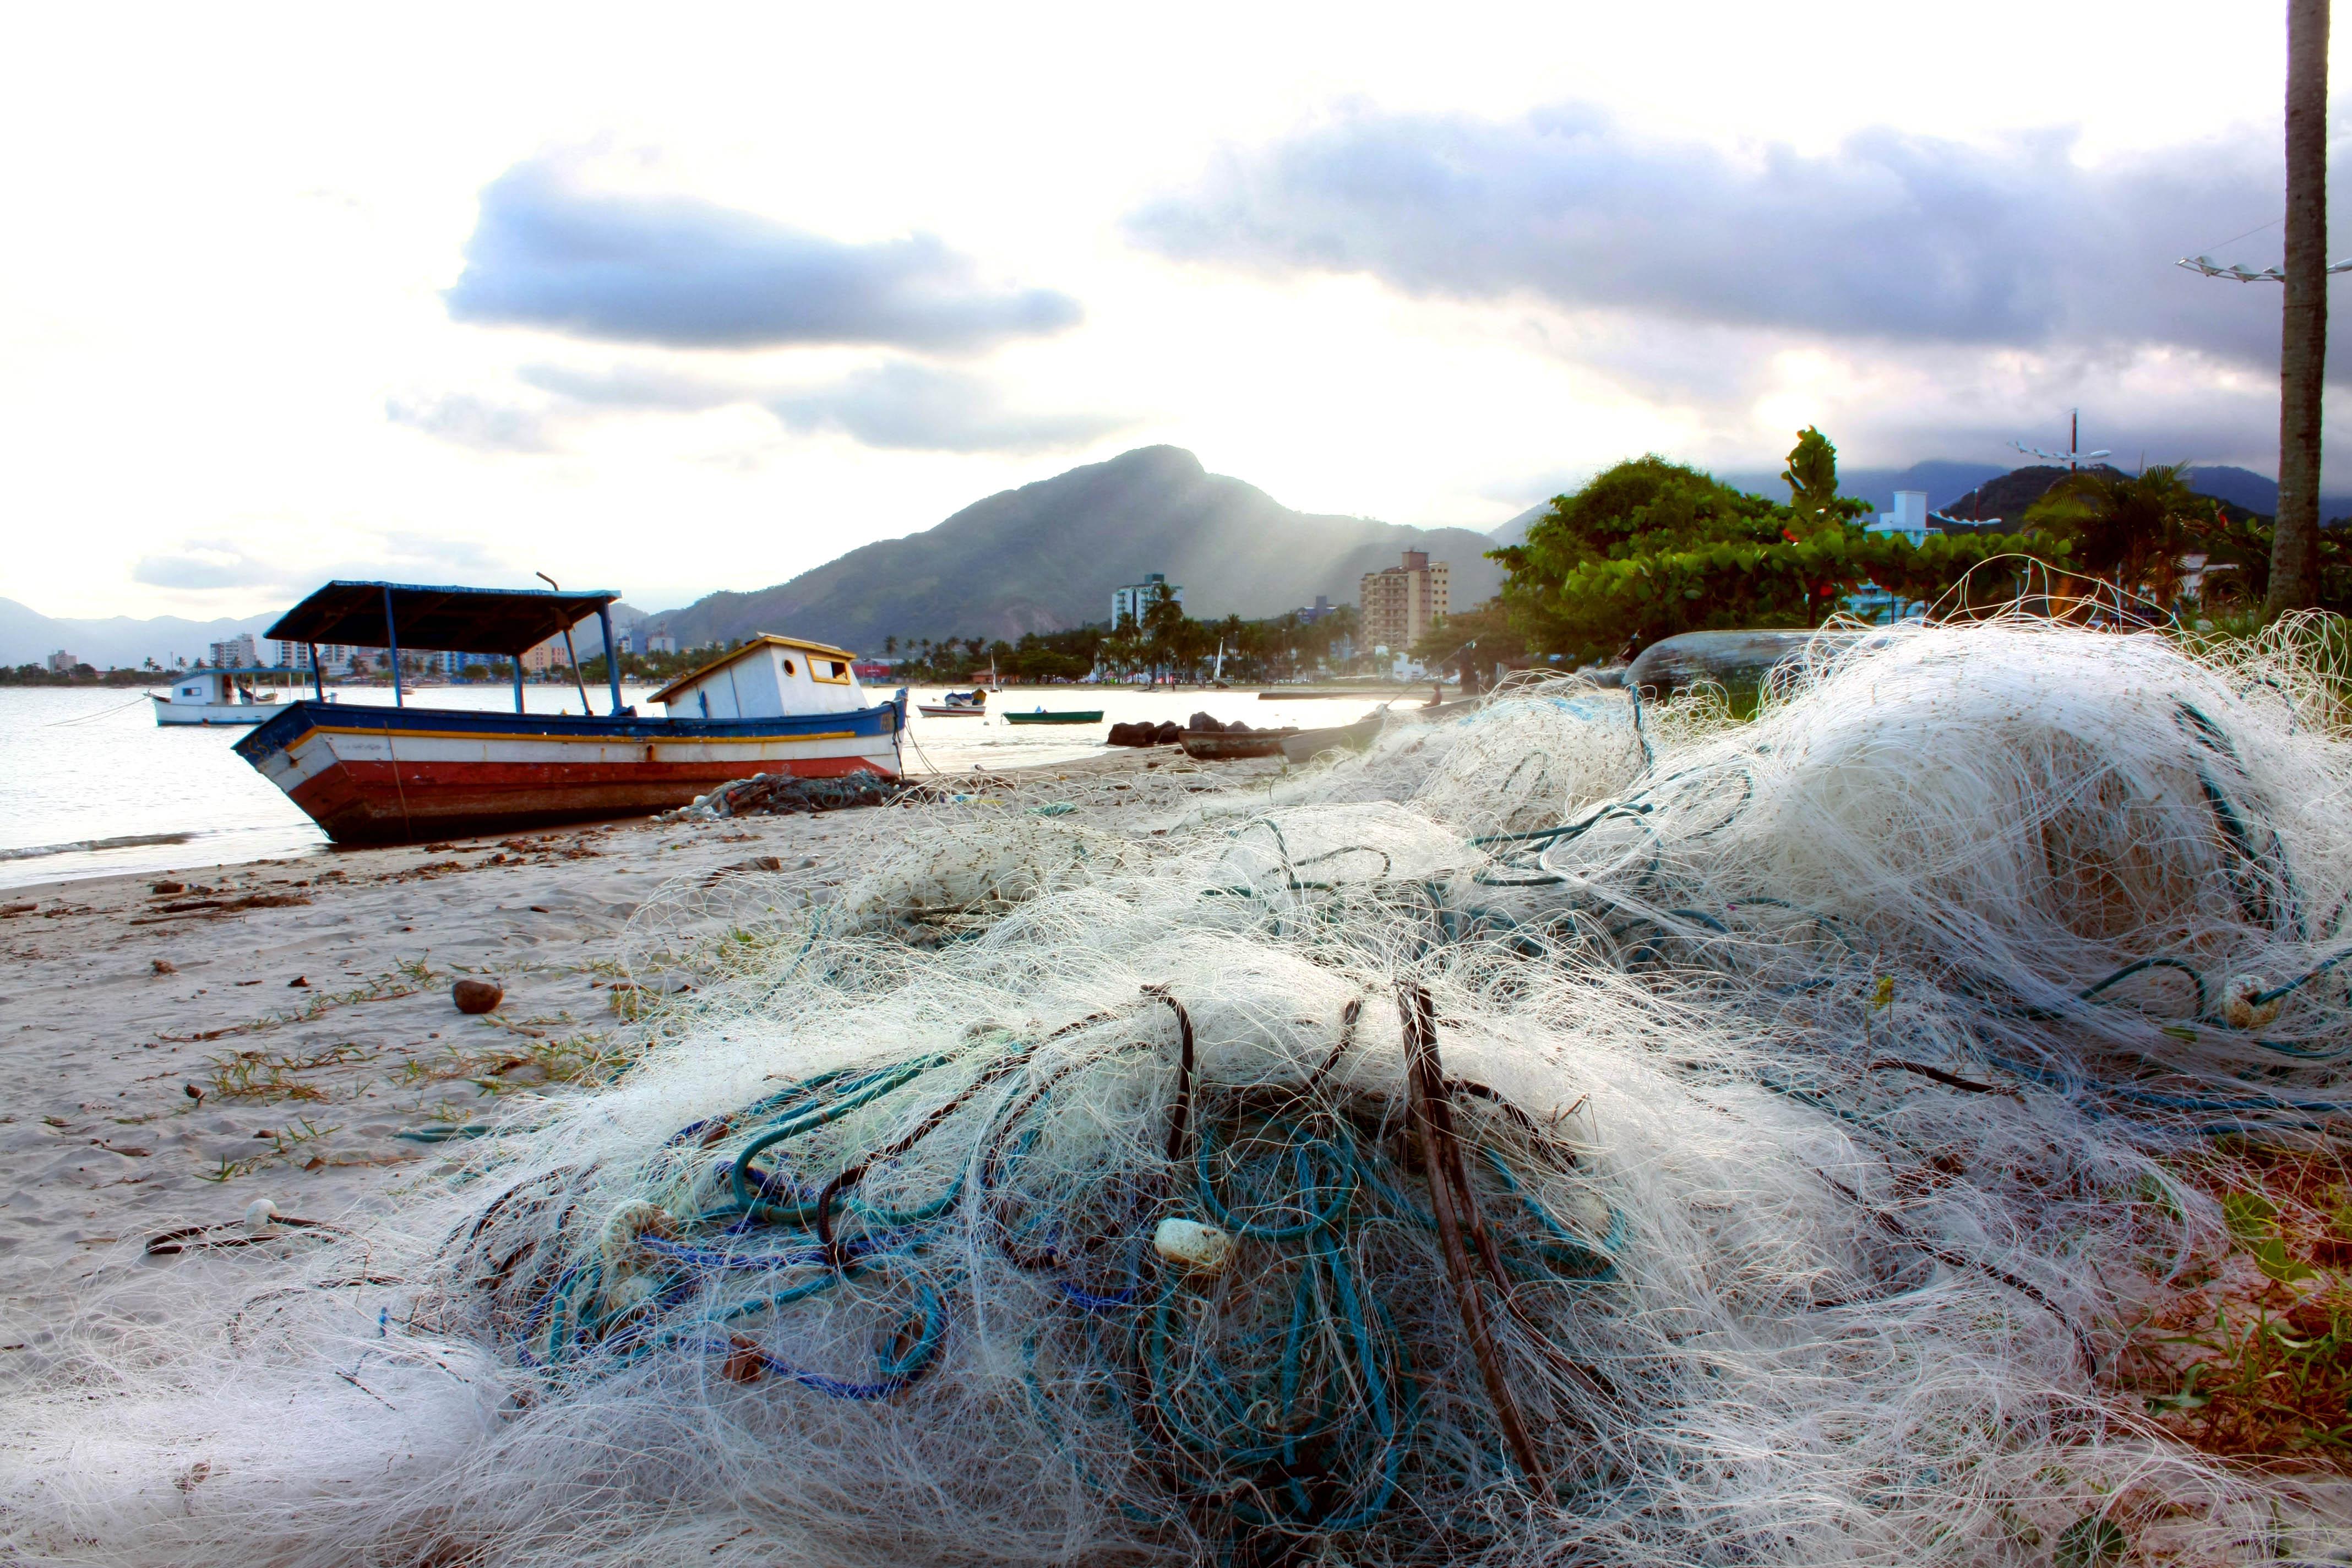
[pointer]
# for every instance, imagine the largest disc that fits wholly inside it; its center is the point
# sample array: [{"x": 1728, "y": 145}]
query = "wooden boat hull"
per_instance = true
[
  {"x": 395, "y": 775},
  {"x": 1091, "y": 717},
  {"x": 1305, "y": 744},
  {"x": 1226, "y": 745},
  {"x": 935, "y": 711}
]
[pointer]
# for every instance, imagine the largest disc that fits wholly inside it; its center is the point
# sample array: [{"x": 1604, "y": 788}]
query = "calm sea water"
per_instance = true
[{"x": 91, "y": 785}]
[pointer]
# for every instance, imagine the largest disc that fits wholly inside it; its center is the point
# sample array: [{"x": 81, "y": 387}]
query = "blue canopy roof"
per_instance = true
[{"x": 457, "y": 620}]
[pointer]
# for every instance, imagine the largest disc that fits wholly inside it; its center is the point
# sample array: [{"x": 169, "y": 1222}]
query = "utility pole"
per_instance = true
[{"x": 2303, "y": 332}]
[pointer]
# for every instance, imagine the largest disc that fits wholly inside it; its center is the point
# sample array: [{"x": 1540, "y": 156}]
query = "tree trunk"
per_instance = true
[{"x": 2303, "y": 342}]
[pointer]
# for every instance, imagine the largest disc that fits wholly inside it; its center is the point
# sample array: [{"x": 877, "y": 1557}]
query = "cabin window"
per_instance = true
[{"x": 832, "y": 672}]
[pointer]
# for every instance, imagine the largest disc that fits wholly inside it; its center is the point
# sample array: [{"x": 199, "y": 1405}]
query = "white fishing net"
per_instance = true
[{"x": 1572, "y": 1132}]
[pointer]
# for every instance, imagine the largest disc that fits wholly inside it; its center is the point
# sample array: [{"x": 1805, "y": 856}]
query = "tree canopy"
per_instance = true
[{"x": 1650, "y": 548}]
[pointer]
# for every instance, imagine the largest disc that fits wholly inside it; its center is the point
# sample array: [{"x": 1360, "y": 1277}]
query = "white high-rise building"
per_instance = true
[{"x": 1127, "y": 604}]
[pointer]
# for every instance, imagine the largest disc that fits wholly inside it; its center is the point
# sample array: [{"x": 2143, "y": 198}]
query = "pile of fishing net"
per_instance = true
[{"x": 1581, "y": 1131}]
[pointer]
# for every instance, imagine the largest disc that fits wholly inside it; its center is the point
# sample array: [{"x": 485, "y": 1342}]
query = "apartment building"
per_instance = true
[{"x": 1397, "y": 603}]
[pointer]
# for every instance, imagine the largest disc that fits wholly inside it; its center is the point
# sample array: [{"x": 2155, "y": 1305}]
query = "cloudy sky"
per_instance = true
[{"x": 679, "y": 299}]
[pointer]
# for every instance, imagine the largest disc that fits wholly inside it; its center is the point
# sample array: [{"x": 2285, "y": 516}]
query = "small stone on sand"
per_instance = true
[{"x": 476, "y": 995}]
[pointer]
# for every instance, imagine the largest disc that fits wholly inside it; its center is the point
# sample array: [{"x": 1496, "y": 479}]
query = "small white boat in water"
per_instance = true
[
  {"x": 973, "y": 704},
  {"x": 216, "y": 697}
]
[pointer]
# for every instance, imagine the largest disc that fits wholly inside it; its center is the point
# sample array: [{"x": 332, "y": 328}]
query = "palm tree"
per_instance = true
[
  {"x": 2129, "y": 529},
  {"x": 2303, "y": 342}
]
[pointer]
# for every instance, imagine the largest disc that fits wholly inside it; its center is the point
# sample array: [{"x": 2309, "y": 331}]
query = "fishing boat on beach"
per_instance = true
[
  {"x": 1067, "y": 716},
  {"x": 390, "y": 775},
  {"x": 217, "y": 697}
]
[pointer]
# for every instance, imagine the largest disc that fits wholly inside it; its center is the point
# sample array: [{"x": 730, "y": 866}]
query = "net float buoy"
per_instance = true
[{"x": 1203, "y": 1249}]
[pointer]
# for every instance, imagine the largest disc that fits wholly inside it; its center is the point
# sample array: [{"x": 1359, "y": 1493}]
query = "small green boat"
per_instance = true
[{"x": 1082, "y": 716}]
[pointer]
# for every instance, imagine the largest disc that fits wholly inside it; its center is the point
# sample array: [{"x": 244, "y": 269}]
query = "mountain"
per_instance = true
[
  {"x": 2244, "y": 488},
  {"x": 27, "y": 637},
  {"x": 1516, "y": 530},
  {"x": 1944, "y": 480},
  {"x": 1047, "y": 555},
  {"x": 2007, "y": 498}
]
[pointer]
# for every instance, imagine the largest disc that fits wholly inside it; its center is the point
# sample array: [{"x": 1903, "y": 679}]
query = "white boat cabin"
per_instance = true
[
  {"x": 216, "y": 697},
  {"x": 768, "y": 677}
]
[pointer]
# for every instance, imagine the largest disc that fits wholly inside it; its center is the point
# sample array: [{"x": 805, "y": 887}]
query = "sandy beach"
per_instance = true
[{"x": 176, "y": 1048}]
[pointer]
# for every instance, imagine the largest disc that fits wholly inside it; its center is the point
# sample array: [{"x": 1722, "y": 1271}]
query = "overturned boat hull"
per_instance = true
[{"x": 396, "y": 775}]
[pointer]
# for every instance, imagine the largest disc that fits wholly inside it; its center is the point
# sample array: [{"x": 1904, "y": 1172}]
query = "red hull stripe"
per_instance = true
[{"x": 376, "y": 803}]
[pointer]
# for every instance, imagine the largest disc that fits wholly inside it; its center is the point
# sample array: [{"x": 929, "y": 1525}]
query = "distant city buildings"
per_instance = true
[
  {"x": 234, "y": 653},
  {"x": 1127, "y": 604},
  {"x": 1909, "y": 519},
  {"x": 62, "y": 663},
  {"x": 1397, "y": 603},
  {"x": 660, "y": 642},
  {"x": 1310, "y": 614}
]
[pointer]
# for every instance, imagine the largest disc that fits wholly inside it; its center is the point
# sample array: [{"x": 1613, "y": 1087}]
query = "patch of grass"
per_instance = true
[
  {"x": 284, "y": 1144},
  {"x": 407, "y": 978},
  {"x": 2256, "y": 1359},
  {"x": 267, "y": 1076}
]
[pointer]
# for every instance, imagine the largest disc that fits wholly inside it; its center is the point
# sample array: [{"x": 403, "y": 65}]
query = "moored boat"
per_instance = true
[
  {"x": 1067, "y": 716},
  {"x": 973, "y": 704},
  {"x": 216, "y": 697},
  {"x": 389, "y": 776}
]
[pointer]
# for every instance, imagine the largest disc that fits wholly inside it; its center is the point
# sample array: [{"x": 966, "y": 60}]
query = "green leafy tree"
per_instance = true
[
  {"x": 1652, "y": 548},
  {"x": 2130, "y": 529},
  {"x": 1811, "y": 478},
  {"x": 2239, "y": 548}
]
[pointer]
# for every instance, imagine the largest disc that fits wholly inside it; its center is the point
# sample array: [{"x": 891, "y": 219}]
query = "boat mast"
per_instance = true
[{"x": 392, "y": 644}]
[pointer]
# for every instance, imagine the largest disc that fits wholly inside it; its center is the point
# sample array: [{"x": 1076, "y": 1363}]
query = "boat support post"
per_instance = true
[
  {"x": 518, "y": 666},
  {"x": 612, "y": 659},
  {"x": 318, "y": 676},
  {"x": 392, "y": 644}
]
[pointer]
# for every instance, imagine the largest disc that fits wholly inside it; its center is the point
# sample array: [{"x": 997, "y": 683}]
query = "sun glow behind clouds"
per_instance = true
[{"x": 231, "y": 350}]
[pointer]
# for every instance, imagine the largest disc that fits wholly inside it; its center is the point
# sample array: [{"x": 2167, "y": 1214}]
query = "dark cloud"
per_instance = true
[
  {"x": 688, "y": 273},
  {"x": 470, "y": 421},
  {"x": 1888, "y": 235},
  {"x": 907, "y": 406}
]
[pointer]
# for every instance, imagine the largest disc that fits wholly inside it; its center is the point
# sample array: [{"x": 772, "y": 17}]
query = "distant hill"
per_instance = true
[
  {"x": 27, "y": 637},
  {"x": 1515, "y": 531},
  {"x": 2008, "y": 497},
  {"x": 1048, "y": 556},
  {"x": 1945, "y": 482}
]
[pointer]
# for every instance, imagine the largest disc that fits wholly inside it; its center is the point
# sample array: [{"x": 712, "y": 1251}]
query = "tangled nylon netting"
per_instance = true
[{"x": 1581, "y": 1131}]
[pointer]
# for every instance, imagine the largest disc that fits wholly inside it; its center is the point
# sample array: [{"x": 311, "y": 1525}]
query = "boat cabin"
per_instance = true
[
  {"x": 215, "y": 688},
  {"x": 765, "y": 678}
]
